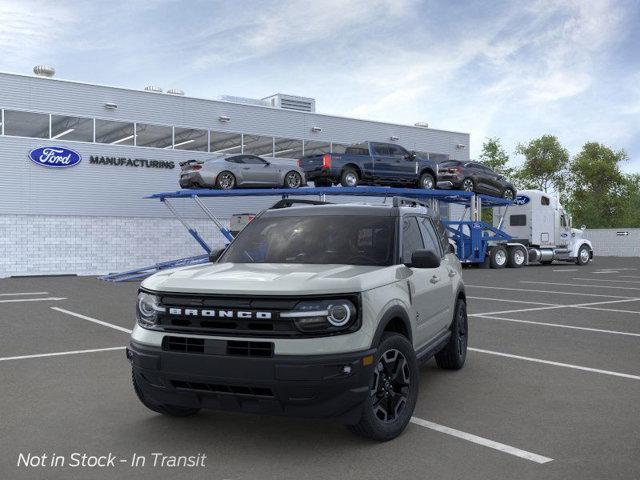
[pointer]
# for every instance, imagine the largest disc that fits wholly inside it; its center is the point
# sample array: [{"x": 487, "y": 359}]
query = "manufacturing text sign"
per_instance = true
[{"x": 55, "y": 157}]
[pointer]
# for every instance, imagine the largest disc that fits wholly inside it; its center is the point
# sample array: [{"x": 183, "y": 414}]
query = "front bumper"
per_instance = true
[{"x": 315, "y": 386}]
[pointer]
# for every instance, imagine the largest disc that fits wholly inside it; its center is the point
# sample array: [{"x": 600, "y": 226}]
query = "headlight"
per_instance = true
[
  {"x": 323, "y": 316},
  {"x": 147, "y": 309}
]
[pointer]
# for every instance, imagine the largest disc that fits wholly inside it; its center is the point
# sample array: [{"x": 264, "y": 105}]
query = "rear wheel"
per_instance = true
[
  {"x": 170, "y": 410},
  {"x": 427, "y": 181},
  {"x": 517, "y": 257},
  {"x": 349, "y": 178},
  {"x": 584, "y": 255},
  {"x": 393, "y": 390},
  {"x": 292, "y": 179},
  {"x": 468, "y": 185},
  {"x": 498, "y": 257},
  {"x": 508, "y": 194},
  {"x": 225, "y": 180},
  {"x": 454, "y": 354}
]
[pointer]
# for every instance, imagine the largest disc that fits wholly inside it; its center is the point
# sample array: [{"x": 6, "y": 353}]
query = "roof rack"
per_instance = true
[
  {"x": 290, "y": 202},
  {"x": 409, "y": 202}
]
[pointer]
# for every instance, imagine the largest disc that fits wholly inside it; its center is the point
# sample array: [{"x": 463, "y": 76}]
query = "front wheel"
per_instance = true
[
  {"x": 584, "y": 255},
  {"x": 393, "y": 390},
  {"x": 508, "y": 194},
  {"x": 427, "y": 181},
  {"x": 292, "y": 180},
  {"x": 468, "y": 185}
]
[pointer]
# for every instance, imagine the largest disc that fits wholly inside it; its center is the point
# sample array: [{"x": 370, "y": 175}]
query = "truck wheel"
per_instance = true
[
  {"x": 583, "y": 255},
  {"x": 170, "y": 410},
  {"x": 453, "y": 355},
  {"x": 468, "y": 185},
  {"x": 517, "y": 257},
  {"x": 427, "y": 181},
  {"x": 393, "y": 390},
  {"x": 349, "y": 178},
  {"x": 498, "y": 258}
]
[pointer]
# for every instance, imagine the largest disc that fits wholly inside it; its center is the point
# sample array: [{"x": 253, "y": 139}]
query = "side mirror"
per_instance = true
[
  {"x": 424, "y": 259},
  {"x": 215, "y": 255},
  {"x": 410, "y": 156}
]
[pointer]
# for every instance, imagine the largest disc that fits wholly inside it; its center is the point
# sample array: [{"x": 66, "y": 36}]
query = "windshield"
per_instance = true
[{"x": 321, "y": 239}]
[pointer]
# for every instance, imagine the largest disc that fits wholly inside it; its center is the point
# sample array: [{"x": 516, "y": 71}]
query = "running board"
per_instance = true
[{"x": 433, "y": 347}]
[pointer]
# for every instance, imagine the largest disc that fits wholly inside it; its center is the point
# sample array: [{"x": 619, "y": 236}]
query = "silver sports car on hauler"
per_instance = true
[{"x": 231, "y": 171}]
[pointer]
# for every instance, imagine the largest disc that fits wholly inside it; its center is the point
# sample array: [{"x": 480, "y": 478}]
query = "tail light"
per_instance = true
[
  {"x": 196, "y": 167},
  {"x": 299, "y": 162},
  {"x": 326, "y": 160}
]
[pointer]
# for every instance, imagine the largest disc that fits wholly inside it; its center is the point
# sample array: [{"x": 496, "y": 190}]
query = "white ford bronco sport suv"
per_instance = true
[{"x": 321, "y": 311}]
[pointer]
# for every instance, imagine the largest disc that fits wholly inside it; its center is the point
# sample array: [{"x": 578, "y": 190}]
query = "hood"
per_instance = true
[{"x": 273, "y": 279}]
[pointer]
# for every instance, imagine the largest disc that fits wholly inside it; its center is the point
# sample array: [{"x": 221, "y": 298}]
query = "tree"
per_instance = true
[
  {"x": 495, "y": 157},
  {"x": 599, "y": 192},
  {"x": 545, "y": 164}
]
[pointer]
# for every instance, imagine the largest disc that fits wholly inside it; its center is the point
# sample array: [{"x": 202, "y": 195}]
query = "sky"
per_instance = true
[{"x": 514, "y": 70}]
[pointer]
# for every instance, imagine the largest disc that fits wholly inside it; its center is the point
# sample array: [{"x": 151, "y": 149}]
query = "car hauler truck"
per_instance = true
[{"x": 539, "y": 226}]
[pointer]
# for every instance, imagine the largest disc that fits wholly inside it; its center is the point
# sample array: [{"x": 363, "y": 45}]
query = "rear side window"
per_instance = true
[
  {"x": 517, "y": 220},
  {"x": 411, "y": 238},
  {"x": 544, "y": 200},
  {"x": 359, "y": 149},
  {"x": 431, "y": 241}
]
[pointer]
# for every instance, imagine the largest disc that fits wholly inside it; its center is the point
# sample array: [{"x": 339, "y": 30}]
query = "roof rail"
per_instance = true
[
  {"x": 290, "y": 202},
  {"x": 409, "y": 202}
]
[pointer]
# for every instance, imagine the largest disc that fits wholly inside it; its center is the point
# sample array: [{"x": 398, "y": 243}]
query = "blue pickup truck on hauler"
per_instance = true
[{"x": 371, "y": 163}]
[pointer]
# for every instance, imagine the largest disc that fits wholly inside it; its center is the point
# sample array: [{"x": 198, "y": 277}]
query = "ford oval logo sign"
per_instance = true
[
  {"x": 56, "y": 157},
  {"x": 521, "y": 200}
]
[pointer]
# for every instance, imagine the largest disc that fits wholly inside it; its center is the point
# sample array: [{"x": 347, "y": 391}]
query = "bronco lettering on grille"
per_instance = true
[{"x": 241, "y": 314}]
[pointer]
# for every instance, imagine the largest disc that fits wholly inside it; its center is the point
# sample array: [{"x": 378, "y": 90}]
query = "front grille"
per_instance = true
[
  {"x": 183, "y": 344},
  {"x": 225, "y": 389},
  {"x": 250, "y": 349}
]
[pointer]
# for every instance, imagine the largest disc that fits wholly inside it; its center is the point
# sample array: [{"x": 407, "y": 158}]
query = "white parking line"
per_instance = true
[
  {"x": 566, "y": 269},
  {"x": 44, "y": 299},
  {"x": 556, "y": 364},
  {"x": 579, "y": 285},
  {"x": 519, "y": 310},
  {"x": 559, "y": 325},
  {"x": 23, "y": 293},
  {"x": 533, "y": 457},
  {"x": 604, "y": 280},
  {"x": 530, "y": 290},
  {"x": 588, "y": 306},
  {"x": 512, "y": 301},
  {"x": 57, "y": 354},
  {"x": 94, "y": 320}
]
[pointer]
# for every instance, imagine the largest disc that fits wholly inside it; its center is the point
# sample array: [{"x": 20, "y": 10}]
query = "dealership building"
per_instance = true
[{"x": 91, "y": 216}]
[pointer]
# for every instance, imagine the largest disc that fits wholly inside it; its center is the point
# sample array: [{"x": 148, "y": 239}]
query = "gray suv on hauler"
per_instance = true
[{"x": 321, "y": 311}]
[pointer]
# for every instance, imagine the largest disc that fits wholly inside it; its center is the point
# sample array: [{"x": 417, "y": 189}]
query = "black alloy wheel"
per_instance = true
[
  {"x": 390, "y": 389},
  {"x": 467, "y": 185},
  {"x": 508, "y": 194}
]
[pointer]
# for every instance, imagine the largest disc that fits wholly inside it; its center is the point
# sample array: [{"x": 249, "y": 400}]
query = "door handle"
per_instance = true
[
  {"x": 452, "y": 273},
  {"x": 246, "y": 168},
  {"x": 435, "y": 279}
]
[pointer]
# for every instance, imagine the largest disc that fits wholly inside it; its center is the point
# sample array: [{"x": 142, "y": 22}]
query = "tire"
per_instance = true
[
  {"x": 349, "y": 178},
  {"x": 225, "y": 180},
  {"x": 517, "y": 257},
  {"x": 427, "y": 182},
  {"x": 292, "y": 180},
  {"x": 169, "y": 410},
  {"x": 375, "y": 423},
  {"x": 468, "y": 185},
  {"x": 322, "y": 182},
  {"x": 498, "y": 258},
  {"x": 584, "y": 255},
  {"x": 454, "y": 354},
  {"x": 508, "y": 194}
]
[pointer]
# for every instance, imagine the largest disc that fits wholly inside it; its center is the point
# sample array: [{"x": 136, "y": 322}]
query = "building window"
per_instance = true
[
  {"x": 312, "y": 147},
  {"x": 287, "y": 148},
  {"x": 72, "y": 128},
  {"x": 258, "y": 145},
  {"x": 26, "y": 124},
  {"x": 157, "y": 136},
  {"x": 224, "y": 142},
  {"x": 190, "y": 139},
  {"x": 338, "y": 147},
  {"x": 114, "y": 133}
]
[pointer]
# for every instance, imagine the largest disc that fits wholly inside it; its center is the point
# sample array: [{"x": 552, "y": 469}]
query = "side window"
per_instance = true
[
  {"x": 431, "y": 241},
  {"x": 381, "y": 149},
  {"x": 517, "y": 220},
  {"x": 442, "y": 234},
  {"x": 563, "y": 221},
  {"x": 544, "y": 200},
  {"x": 253, "y": 160},
  {"x": 396, "y": 151},
  {"x": 411, "y": 238},
  {"x": 235, "y": 159}
]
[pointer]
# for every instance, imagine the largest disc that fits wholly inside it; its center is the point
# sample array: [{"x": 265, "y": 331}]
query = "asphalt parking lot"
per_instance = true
[{"x": 551, "y": 389}]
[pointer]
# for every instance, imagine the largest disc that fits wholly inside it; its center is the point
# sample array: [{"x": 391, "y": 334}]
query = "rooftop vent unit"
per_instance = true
[
  {"x": 175, "y": 91},
  {"x": 244, "y": 100},
  {"x": 292, "y": 102},
  {"x": 44, "y": 71},
  {"x": 153, "y": 88},
  {"x": 422, "y": 124}
]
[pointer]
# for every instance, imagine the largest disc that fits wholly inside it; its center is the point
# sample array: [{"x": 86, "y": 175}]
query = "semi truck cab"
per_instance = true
[{"x": 538, "y": 221}]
